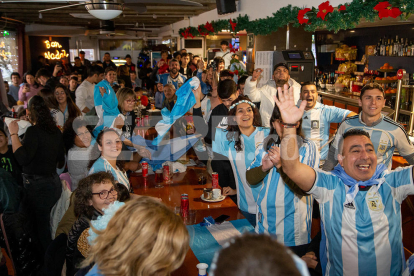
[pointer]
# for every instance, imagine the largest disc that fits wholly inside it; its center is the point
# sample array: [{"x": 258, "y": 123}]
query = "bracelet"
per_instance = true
[
  {"x": 286, "y": 125},
  {"x": 14, "y": 134}
]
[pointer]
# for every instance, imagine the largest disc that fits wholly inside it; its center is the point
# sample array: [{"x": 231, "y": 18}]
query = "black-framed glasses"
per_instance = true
[{"x": 105, "y": 193}]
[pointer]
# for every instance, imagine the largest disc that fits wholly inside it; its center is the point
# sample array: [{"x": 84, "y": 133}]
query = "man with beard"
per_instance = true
[
  {"x": 265, "y": 94},
  {"x": 173, "y": 77},
  {"x": 317, "y": 118}
]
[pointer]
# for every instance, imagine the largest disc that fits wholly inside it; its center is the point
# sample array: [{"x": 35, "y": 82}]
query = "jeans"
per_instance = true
[{"x": 42, "y": 193}]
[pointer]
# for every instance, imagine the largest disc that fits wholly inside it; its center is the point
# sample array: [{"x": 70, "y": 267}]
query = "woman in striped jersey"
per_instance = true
[
  {"x": 239, "y": 143},
  {"x": 283, "y": 209}
]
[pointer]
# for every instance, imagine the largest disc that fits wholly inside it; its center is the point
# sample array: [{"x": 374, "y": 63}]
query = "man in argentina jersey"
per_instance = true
[
  {"x": 240, "y": 161},
  {"x": 385, "y": 133},
  {"x": 317, "y": 118},
  {"x": 281, "y": 210},
  {"x": 174, "y": 77},
  {"x": 359, "y": 202}
]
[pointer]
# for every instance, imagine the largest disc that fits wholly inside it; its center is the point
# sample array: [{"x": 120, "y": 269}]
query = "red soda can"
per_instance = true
[
  {"x": 184, "y": 204},
  {"x": 142, "y": 121},
  {"x": 166, "y": 173},
  {"x": 215, "y": 180},
  {"x": 137, "y": 121},
  {"x": 144, "y": 169}
]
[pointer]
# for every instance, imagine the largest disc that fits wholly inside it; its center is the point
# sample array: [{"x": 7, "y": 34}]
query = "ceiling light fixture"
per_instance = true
[{"x": 104, "y": 10}]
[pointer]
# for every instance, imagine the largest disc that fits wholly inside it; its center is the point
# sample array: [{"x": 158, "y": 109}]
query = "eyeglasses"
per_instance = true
[
  {"x": 105, "y": 193},
  {"x": 60, "y": 93},
  {"x": 131, "y": 101}
]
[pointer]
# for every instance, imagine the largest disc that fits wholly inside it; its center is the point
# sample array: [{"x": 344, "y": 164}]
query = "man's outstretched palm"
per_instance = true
[{"x": 291, "y": 114}]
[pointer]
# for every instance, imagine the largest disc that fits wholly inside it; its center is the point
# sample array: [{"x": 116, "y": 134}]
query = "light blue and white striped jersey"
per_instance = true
[
  {"x": 240, "y": 161},
  {"x": 316, "y": 123},
  {"x": 280, "y": 211},
  {"x": 166, "y": 79},
  {"x": 366, "y": 238},
  {"x": 386, "y": 135}
]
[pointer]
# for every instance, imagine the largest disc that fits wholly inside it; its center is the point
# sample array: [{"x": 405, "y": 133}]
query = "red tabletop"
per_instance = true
[{"x": 170, "y": 194}]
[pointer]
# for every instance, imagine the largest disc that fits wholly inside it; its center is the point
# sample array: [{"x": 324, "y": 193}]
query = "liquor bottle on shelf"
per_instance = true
[
  {"x": 378, "y": 49},
  {"x": 323, "y": 81},
  {"x": 382, "y": 47},
  {"x": 396, "y": 47},
  {"x": 391, "y": 48},
  {"x": 387, "y": 48},
  {"x": 406, "y": 48},
  {"x": 402, "y": 48}
]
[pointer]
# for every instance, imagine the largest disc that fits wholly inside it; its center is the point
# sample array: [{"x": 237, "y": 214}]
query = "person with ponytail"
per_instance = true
[
  {"x": 39, "y": 154},
  {"x": 239, "y": 143},
  {"x": 283, "y": 209}
]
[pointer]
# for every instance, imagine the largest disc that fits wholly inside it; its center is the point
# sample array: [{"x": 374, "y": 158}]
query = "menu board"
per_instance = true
[
  {"x": 8, "y": 53},
  {"x": 264, "y": 60}
]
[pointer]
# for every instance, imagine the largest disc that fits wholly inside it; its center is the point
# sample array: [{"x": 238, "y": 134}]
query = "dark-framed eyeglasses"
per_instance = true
[{"x": 105, "y": 193}]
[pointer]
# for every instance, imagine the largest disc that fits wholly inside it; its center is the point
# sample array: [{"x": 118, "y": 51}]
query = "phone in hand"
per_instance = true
[
  {"x": 59, "y": 63},
  {"x": 221, "y": 219}
]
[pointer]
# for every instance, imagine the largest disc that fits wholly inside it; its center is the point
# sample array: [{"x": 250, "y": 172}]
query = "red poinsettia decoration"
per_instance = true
[
  {"x": 324, "y": 9},
  {"x": 342, "y": 8},
  {"x": 209, "y": 27},
  {"x": 301, "y": 16},
  {"x": 187, "y": 33},
  {"x": 385, "y": 10},
  {"x": 233, "y": 25},
  {"x": 201, "y": 31}
]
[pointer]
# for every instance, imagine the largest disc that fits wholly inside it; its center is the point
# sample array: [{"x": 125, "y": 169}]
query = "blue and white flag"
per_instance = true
[
  {"x": 167, "y": 150},
  {"x": 185, "y": 101},
  {"x": 205, "y": 241}
]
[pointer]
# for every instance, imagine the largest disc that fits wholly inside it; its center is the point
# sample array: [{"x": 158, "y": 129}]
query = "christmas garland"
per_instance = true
[{"x": 325, "y": 16}]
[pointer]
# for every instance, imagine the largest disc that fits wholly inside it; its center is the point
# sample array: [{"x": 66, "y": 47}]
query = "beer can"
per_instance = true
[
  {"x": 166, "y": 173},
  {"x": 144, "y": 169},
  {"x": 215, "y": 180},
  {"x": 184, "y": 204}
]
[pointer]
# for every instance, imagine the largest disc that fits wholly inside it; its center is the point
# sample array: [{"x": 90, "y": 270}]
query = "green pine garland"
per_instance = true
[{"x": 335, "y": 21}]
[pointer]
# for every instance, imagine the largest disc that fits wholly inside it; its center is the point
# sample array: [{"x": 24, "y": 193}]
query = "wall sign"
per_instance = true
[{"x": 55, "y": 46}]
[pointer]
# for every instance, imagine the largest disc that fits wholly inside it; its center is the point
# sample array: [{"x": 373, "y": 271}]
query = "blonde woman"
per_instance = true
[{"x": 142, "y": 238}]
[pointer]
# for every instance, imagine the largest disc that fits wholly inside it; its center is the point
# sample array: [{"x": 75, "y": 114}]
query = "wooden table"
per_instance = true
[{"x": 171, "y": 196}]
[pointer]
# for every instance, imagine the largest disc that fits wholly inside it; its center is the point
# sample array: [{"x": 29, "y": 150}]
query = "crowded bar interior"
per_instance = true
[{"x": 206, "y": 137}]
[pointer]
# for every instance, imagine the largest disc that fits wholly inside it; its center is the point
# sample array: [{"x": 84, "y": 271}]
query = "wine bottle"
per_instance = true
[{"x": 391, "y": 48}]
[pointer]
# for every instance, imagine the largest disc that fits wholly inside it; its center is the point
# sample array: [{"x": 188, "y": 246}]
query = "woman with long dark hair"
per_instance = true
[
  {"x": 65, "y": 103},
  {"x": 283, "y": 208},
  {"x": 238, "y": 143},
  {"x": 28, "y": 88},
  {"x": 50, "y": 101},
  {"x": 39, "y": 154}
]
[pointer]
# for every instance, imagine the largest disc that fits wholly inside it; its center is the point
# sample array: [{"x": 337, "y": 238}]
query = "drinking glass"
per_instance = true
[{"x": 159, "y": 178}]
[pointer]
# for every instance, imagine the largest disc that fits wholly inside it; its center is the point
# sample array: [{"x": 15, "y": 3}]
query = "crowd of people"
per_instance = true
[{"x": 71, "y": 147}]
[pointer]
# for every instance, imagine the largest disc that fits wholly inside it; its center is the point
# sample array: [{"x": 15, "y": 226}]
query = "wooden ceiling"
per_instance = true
[{"x": 164, "y": 14}]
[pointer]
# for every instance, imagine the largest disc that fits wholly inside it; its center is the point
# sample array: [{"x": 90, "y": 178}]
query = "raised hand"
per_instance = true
[
  {"x": 256, "y": 74},
  {"x": 291, "y": 114},
  {"x": 200, "y": 64},
  {"x": 160, "y": 63}
]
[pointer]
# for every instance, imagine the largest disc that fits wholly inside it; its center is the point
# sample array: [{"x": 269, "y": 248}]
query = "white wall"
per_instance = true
[{"x": 255, "y": 9}]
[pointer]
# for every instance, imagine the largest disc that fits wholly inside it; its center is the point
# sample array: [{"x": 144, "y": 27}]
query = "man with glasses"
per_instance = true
[
  {"x": 265, "y": 94},
  {"x": 385, "y": 133}
]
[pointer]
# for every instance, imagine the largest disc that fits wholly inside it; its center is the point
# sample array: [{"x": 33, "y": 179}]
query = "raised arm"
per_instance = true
[
  {"x": 303, "y": 175},
  {"x": 250, "y": 89}
]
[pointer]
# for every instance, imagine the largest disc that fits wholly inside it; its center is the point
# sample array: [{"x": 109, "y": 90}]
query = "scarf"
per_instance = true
[{"x": 376, "y": 179}]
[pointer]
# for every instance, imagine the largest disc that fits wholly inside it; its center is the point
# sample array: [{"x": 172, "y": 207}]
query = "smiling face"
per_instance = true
[
  {"x": 111, "y": 145},
  {"x": 310, "y": 95},
  {"x": 174, "y": 67},
  {"x": 281, "y": 75},
  {"x": 358, "y": 157},
  {"x": 221, "y": 66},
  {"x": 60, "y": 95},
  {"x": 372, "y": 102},
  {"x": 244, "y": 115},
  {"x": 98, "y": 203},
  {"x": 110, "y": 76},
  {"x": 160, "y": 87},
  {"x": 83, "y": 137}
]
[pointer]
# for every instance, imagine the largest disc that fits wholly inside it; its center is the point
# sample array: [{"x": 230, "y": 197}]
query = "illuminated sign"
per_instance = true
[{"x": 55, "y": 46}]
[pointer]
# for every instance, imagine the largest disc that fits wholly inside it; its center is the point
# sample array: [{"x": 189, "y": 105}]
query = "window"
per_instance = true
[{"x": 89, "y": 54}]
